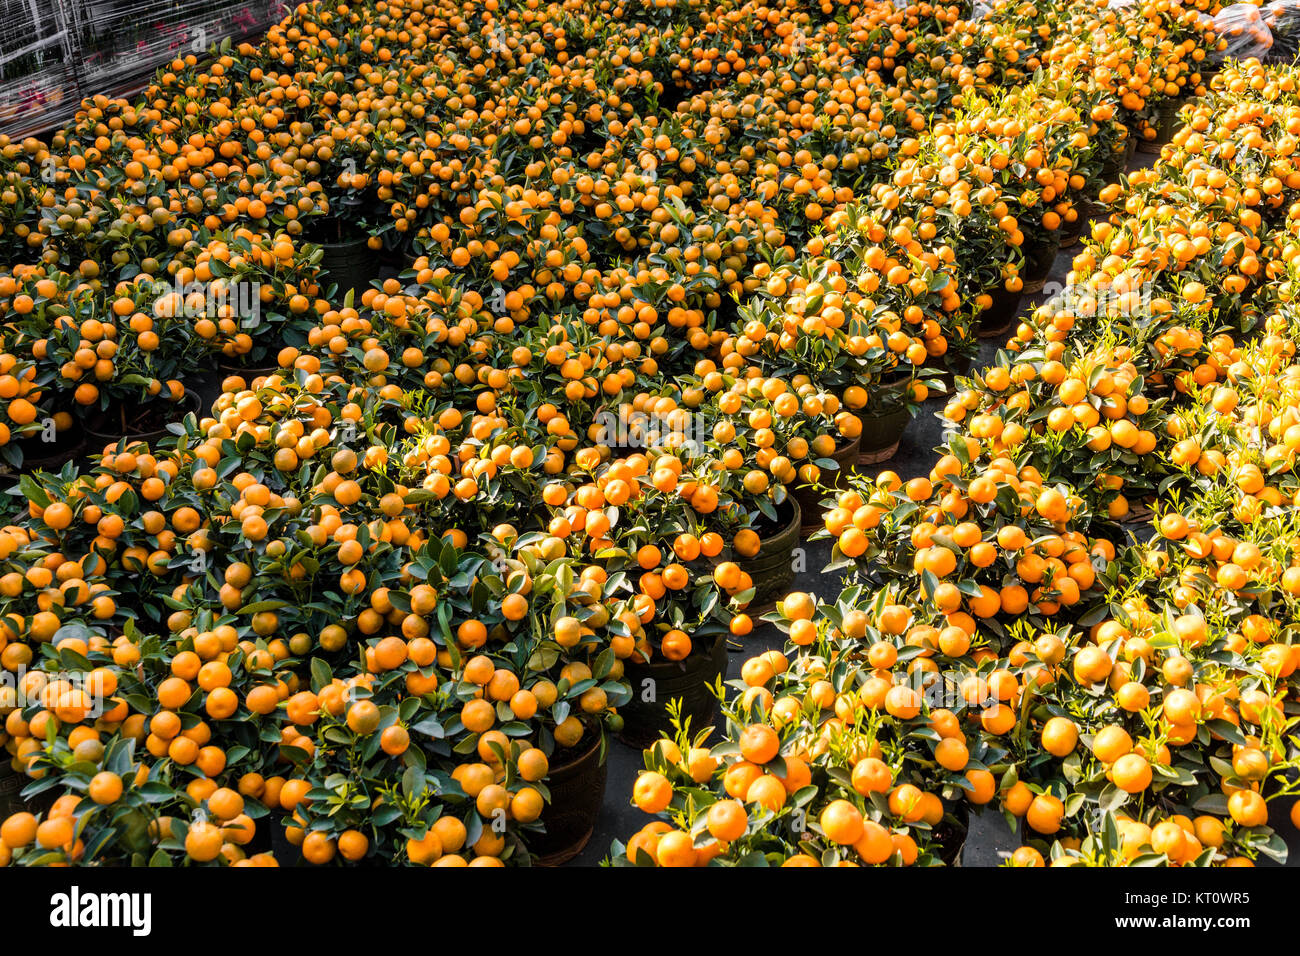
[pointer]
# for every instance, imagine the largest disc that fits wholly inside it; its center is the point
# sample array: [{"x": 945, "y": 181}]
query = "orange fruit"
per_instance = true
[
  {"x": 842, "y": 822},
  {"x": 759, "y": 743},
  {"x": 652, "y": 792},
  {"x": 727, "y": 820}
]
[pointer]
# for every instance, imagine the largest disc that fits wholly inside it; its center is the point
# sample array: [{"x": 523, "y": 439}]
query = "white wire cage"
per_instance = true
[{"x": 55, "y": 53}]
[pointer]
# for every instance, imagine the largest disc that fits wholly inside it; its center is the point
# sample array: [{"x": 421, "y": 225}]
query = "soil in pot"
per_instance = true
[
  {"x": 810, "y": 498},
  {"x": 146, "y": 423},
  {"x": 577, "y": 785},
  {"x": 772, "y": 569},
  {"x": 688, "y": 681}
]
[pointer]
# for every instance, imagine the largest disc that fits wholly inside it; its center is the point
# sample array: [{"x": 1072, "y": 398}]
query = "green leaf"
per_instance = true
[
  {"x": 321, "y": 675},
  {"x": 33, "y": 492},
  {"x": 412, "y": 782},
  {"x": 258, "y": 606}
]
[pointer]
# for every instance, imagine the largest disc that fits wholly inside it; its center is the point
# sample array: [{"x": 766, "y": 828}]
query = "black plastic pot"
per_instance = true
[
  {"x": 952, "y": 833},
  {"x": 350, "y": 264},
  {"x": 248, "y": 367},
  {"x": 996, "y": 320},
  {"x": 810, "y": 498},
  {"x": 393, "y": 259},
  {"x": 1114, "y": 165},
  {"x": 11, "y": 782},
  {"x": 51, "y": 456},
  {"x": 688, "y": 681},
  {"x": 1071, "y": 231},
  {"x": 772, "y": 569},
  {"x": 949, "y": 365},
  {"x": 881, "y": 434},
  {"x": 577, "y": 793},
  {"x": 1169, "y": 120},
  {"x": 286, "y": 853},
  {"x": 958, "y": 364},
  {"x": 1139, "y": 511},
  {"x": 106, "y": 429},
  {"x": 1166, "y": 123},
  {"x": 1039, "y": 257}
]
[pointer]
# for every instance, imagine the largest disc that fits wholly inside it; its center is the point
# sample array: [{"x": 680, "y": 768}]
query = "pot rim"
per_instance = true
[
  {"x": 581, "y": 758},
  {"x": 693, "y": 657},
  {"x": 791, "y": 530},
  {"x": 189, "y": 402},
  {"x": 363, "y": 240}
]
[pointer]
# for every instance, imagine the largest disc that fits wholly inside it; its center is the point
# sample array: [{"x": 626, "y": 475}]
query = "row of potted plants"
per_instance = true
[{"x": 1011, "y": 638}]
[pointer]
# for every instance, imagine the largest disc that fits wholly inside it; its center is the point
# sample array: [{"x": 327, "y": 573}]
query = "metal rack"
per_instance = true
[{"x": 54, "y": 53}]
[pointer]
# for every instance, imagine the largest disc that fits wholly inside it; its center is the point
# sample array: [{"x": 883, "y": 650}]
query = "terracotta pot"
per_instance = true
[
  {"x": 688, "y": 681},
  {"x": 577, "y": 793}
]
